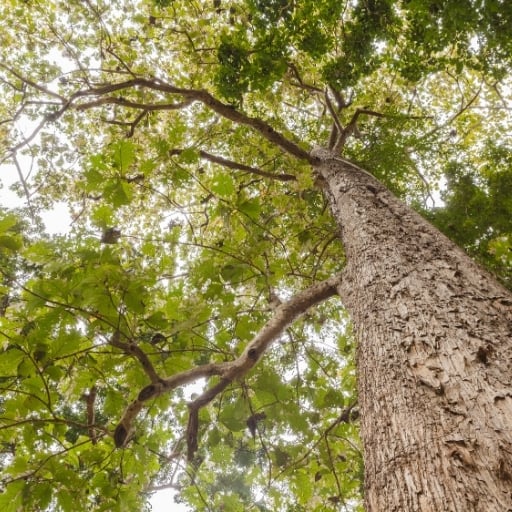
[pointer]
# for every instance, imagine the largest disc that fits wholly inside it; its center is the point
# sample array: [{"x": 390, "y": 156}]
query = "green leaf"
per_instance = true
[
  {"x": 123, "y": 154},
  {"x": 189, "y": 156},
  {"x": 10, "y": 360},
  {"x": 7, "y": 222},
  {"x": 13, "y": 243},
  {"x": 245, "y": 327},
  {"x": 251, "y": 208},
  {"x": 234, "y": 416},
  {"x": 25, "y": 368},
  {"x": 223, "y": 185},
  {"x": 11, "y": 498}
]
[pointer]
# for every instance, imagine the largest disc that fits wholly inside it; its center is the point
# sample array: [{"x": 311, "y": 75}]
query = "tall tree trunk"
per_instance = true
[{"x": 434, "y": 356}]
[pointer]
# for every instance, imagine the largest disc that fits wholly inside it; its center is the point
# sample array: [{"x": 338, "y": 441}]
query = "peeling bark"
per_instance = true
[{"x": 434, "y": 355}]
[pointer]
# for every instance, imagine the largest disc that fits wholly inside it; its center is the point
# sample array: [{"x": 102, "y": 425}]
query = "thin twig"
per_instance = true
[
  {"x": 454, "y": 116},
  {"x": 25, "y": 186},
  {"x": 33, "y": 84}
]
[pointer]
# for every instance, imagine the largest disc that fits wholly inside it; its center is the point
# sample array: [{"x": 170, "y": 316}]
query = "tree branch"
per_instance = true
[
  {"x": 35, "y": 85},
  {"x": 351, "y": 128},
  {"x": 337, "y": 128},
  {"x": 230, "y": 164},
  {"x": 132, "y": 349},
  {"x": 150, "y": 107},
  {"x": 25, "y": 186},
  {"x": 229, "y": 371},
  {"x": 452, "y": 118},
  {"x": 301, "y": 84},
  {"x": 204, "y": 97},
  {"x": 90, "y": 398},
  {"x": 190, "y": 95}
]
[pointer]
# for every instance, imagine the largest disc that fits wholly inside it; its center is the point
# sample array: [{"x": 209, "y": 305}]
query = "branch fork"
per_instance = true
[{"x": 228, "y": 372}]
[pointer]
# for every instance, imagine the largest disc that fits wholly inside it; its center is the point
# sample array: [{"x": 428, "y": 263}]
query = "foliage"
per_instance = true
[{"x": 176, "y": 132}]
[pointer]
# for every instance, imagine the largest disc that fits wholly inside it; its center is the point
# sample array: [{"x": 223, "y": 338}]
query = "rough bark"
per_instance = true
[{"x": 434, "y": 356}]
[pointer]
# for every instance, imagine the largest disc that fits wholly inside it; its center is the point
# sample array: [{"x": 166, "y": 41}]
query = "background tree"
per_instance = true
[{"x": 179, "y": 134}]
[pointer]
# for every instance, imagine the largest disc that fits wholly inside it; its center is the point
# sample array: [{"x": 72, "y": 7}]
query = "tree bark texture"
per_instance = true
[{"x": 434, "y": 355}]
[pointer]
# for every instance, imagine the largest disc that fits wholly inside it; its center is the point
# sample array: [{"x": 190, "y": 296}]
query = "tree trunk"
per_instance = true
[{"x": 434, "y": 355}]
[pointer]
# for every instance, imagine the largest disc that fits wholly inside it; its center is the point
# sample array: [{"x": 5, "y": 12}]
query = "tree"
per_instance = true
[{"x": 230, "y": 168}]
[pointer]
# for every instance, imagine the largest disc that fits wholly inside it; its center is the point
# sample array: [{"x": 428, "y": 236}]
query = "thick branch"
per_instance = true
[
  {"x": 204, "y": 97},
  {"x": 190, "y": 95},
  {"x": 284, "y": 315},
  {"x": 230, "y": 164},
  {"x": 352, "y": 125}
]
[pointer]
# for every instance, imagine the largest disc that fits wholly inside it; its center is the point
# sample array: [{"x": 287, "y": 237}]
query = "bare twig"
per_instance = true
[
  {"x": 33, "y": 84},
  {"x": 456, "y": 115},
  {"x": 344, "y": 417},
  {"x": 162, "y": 487}
]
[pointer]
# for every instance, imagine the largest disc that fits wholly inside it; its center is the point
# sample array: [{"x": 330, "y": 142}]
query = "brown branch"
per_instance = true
[
  {"x": 333, "y": 112},
  {"x": 135, "y": 122},
  {"x": 301, "y": 84},
  {"x": 230, "y": 164},
  {"x": 190, "y": 95},
  {"x": 352, "y": 127},
  {"x": 132, "y": 349},
  {"x": 344, "y": 417},
  {"x": 24, "y": 185},
  {"x": 204, "y": 97},
  {"x": 337, "y": 128},
  {"x": 193, "y": 420},
  {"x": 341, "y": 102},
  {"x": 27, "y": 81},
  {"x": 90, "y": 398},
  {"x": 284, "y": 315},
  {"x": 149, "y": 107}
]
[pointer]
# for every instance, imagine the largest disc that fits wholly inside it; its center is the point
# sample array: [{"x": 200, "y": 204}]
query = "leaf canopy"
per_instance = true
[{"x": 177, "y": 133}]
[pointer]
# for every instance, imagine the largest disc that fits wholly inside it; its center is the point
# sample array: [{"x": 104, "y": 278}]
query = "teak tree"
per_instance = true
[{"x": 228, "y": 168}]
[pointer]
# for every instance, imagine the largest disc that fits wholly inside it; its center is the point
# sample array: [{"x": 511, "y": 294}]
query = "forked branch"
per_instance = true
[
  {"x": 102, "y": 95},
  {"x": 230, "y": 371}
]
